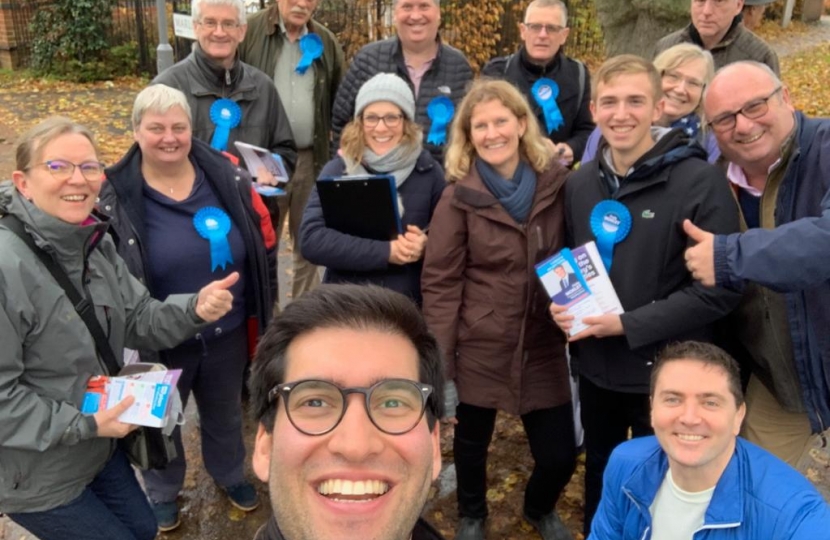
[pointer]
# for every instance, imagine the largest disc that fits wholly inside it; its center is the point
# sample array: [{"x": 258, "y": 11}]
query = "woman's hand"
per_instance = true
[
  {"x": 418, "y": 238},
  {"x": 108, "y": 423},
  {"x": 215, "y": 300},
  {"x": 409, "y": 247}
]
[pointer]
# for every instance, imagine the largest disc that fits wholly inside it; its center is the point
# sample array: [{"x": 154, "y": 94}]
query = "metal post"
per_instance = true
[{"x": 164, "y": 52}]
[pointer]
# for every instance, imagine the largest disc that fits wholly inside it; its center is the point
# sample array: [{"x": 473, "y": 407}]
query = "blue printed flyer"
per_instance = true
[{"x": 578, "y": 280}]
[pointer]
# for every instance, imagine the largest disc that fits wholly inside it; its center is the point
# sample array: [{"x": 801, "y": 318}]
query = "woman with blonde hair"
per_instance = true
[
  {"x": 685, "y": 70},
  {"x": 502, "y": 213},
  {"x": 383, "y": 138}
]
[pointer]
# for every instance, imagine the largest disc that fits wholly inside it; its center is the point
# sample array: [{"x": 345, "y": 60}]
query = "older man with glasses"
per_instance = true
[
  {"x": 231, "y": 101},
  {"x": 348, "y": 389},
  {"x": 716, "y": 27},
  {"x": 557, "y": 87},
  {"x": 779, "y": 165}
]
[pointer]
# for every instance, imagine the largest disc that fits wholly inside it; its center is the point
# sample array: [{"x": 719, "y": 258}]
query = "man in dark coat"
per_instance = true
[
  {"x": 632, "y": 200},
  {"x": 356, "y": 472},
  {"x": 435, "y": 72},
  {"x": 544, "y": 32},
  {"x": 779, "y": 166}
]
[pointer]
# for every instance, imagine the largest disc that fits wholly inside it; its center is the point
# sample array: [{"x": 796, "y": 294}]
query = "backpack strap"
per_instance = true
[{"x": 85, "y": 308}]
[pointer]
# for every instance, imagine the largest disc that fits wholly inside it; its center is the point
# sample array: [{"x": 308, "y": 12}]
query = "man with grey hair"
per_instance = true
[
  {"x": 557, "y": 87},
  {"x": 779, "y": 166},
  {"x": 307, "y": 83},
  {"x": 716, "y": 27},
  {"x": 231, "y": 101},
  {"x": 437, "y": 73}
]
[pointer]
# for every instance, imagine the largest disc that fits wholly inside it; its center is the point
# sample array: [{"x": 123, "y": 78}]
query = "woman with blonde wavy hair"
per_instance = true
[{"x": 502, "y": 213}]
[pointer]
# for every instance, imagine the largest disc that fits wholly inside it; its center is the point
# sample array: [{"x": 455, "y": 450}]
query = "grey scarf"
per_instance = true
[{"x": 399, "y": 162}]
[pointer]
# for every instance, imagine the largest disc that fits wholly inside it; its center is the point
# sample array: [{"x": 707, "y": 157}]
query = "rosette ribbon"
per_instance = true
[
  {"x": 545, "y": 91},
  {"x": 440, "y": 111},
  {"x": 610, "y": 223},
  {"x": 311, "y": 46},
  {"x": 213, "y": 224},
  {"x": 225, "y": 115}
]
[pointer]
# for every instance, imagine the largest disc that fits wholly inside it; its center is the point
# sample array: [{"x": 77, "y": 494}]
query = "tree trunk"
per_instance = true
[{"x": 635, "y": 26}]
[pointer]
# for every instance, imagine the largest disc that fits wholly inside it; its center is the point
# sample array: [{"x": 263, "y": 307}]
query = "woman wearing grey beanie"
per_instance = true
[{"x": 381, "y": 139}]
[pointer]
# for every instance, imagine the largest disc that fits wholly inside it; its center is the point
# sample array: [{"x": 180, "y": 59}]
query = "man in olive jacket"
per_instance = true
[
  {"x": 273, "y": 46},
  {"x": 716, "y": 27}
]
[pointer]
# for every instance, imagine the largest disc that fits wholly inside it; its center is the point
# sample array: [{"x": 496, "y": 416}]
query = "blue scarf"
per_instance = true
[
  {"x": 516, "y": 195},
  {"x": 690, "y": 124}
]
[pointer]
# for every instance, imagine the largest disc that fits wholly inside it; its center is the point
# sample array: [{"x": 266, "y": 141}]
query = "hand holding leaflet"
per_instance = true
[{"x": 584, "y": 302}]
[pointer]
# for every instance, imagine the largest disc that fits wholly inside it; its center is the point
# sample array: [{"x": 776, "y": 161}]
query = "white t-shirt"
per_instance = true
[{"x": 677, "y": 514}]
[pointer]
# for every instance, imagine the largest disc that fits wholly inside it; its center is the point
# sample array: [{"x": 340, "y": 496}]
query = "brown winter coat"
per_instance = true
[{"x": 483, "y": 301}]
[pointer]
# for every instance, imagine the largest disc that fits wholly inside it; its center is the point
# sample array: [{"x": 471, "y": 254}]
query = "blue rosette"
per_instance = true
[
  {"x": 225, "y": 115},
  {"x": 311, "y": 47},
  {"x": 213, "y": 224},
  {"x": 545, "y": 91},
  {"x": 440, "y": 111},
  {"x": 610, "y": 223}
]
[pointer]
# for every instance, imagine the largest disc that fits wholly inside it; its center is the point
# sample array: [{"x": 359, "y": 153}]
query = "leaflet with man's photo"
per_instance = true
[
  {"x": 577, "y": 279},
  {"x": 566, "y": 287}
]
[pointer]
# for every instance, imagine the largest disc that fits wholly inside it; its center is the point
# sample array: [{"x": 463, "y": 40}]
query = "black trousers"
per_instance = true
[
  {"x": 550, "y": 433},
  {"x": 607, "y": 416}
]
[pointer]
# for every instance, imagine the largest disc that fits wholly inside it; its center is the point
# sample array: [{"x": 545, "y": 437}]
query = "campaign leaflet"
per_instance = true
[
  {"x": 578, "y": 280},
  {"x": 153, "y": 392},
  {"x": 257, "y": 158}
]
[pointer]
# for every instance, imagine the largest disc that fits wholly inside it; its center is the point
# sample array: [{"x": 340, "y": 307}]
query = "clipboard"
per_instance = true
[{"x": 365, "y": 206}]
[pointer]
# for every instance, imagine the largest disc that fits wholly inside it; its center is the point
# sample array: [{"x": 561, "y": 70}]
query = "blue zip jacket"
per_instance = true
[
  {"x": 758, "y": 497},
  {"x": 794, "y": 259}
]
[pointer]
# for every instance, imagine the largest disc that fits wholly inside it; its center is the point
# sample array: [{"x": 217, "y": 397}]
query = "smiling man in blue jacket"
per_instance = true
[
  {"x": 696, "y": 479},
  {"x": 779, "y": 166}
]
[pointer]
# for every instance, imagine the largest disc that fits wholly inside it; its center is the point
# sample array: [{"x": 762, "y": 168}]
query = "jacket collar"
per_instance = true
[
  {"x": 535, "y": 69},
  {"x": 727, "y": 505},
  {"x": 211, "y": 76},
  {"x": 422, "y": 531},
  {"x": 397, "y": 52},
  {"x": 65, "y": 241},
  {"x": 470, "y": 191},
  {"x": 735, "y": 30},
  {"x": 275, "y": 18}
]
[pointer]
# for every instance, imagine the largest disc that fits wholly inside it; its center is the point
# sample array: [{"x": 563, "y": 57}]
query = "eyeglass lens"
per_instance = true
[{"x": 316, "y": 407}]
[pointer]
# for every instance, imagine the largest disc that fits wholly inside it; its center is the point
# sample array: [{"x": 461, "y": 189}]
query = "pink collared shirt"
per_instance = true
[{"x": 417, "y": 74}]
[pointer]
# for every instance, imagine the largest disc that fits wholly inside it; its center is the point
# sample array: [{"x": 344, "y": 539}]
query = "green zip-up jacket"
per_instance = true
[{"x": 261, "y": 48}]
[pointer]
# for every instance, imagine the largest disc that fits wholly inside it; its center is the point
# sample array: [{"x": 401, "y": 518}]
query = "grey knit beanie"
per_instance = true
[{"x": 385, "y": 87}]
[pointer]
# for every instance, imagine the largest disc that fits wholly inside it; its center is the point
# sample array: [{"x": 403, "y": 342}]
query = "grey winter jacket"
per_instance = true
[
  {"x": 264, "y": 122},
  {"x": 49, "y": 451},
  {"x": 448, "y": 76}
]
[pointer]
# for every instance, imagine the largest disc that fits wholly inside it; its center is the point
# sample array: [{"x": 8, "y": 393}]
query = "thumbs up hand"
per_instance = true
[
  {"x": 215, "y": 300},
  {"x": 700, "y": 258}
]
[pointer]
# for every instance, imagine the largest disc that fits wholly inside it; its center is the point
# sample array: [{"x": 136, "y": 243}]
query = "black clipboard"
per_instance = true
[{"x": 362, "y": 206}]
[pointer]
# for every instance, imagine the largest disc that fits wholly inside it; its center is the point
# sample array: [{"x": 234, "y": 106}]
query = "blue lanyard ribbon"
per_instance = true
[
  {"x": 610, "y": 223},
  {"x": 213, "y": 224},
  {"x": 440, "y": 111},
  {"x": 311, "y": 46},
  {"x": 545, "y": 91},
  {"x": 225, "y": 115}
]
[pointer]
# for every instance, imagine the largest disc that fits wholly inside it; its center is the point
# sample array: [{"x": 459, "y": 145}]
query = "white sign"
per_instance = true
[{"x": 183, "y": 26}]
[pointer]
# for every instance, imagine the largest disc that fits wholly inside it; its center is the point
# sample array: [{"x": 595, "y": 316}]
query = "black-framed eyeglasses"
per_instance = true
[
  {"x": 752, "y": 110},
  {"x": 211, "y": 25},
  {"x": 675, "y": 78},
  {"x": 536, "y": 28},
  {"x": 391, "y": 120},
  {"x": 63, "y": 170},
  {"x": 316, "y": 407}
]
